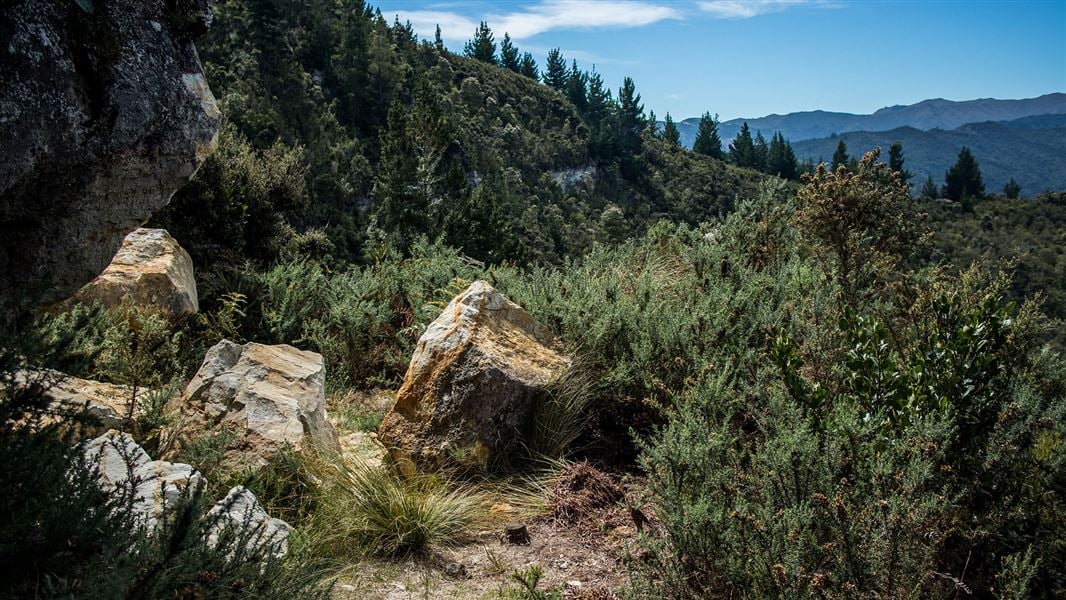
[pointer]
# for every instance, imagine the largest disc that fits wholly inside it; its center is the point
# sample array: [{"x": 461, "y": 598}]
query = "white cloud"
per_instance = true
[
  {"x": 746, "y": 9},
  {"x": 541, "y": 17}
]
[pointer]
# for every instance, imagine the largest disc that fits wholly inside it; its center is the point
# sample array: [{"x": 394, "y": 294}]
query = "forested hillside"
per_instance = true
[{"x": 342, "y": 128}]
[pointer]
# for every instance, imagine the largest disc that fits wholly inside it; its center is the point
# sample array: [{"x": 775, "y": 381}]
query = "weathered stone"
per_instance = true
[
  {"x": 472, "y": 384},
  {"x": 272, "y": 396},
  {"x": 157, "y": 485},
  {"x": 151, "y": 269},
  {"x": 106, "y": 402},
  {"x": 103, "y": 115},
  {"x": 240, "y": 509}
]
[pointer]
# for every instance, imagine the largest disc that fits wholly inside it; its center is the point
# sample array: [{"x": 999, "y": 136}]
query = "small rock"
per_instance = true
[
  {"x": 516, "y": 533},
  {"x": 106, "y": 402},
  {"x": 455, "y": 570}
]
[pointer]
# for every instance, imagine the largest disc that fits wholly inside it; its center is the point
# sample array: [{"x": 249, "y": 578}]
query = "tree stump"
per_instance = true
[{"x": 516, "y": 533}]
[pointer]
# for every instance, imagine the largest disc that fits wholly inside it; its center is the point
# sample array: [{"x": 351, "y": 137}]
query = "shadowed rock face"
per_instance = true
[{"x": 103, "y": 115}]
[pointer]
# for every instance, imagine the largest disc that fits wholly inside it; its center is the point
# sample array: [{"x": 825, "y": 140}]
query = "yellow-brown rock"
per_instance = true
[
  {"x": 471, "y": 387},
  {"x": 151, "y": 269}
]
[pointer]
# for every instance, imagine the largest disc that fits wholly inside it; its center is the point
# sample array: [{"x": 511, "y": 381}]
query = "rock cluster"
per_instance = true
[
  {"x": 157, "y": 486},
  {"x": 104, "y": 113},
  {"x": 472, "y": 384},
  {"x": 150, "y": 269},
  {"x": 272, "y": 397}
]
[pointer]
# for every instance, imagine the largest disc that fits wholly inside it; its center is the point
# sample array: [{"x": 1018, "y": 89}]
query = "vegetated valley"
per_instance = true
[{"x": 441, "y": 325}]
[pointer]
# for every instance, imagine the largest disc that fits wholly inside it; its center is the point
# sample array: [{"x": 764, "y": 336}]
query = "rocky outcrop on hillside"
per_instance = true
[
  {"x": 151, "y": 269},
  {"x": 269, "y": 397},
  {"x": 104, "y": 113},
  {"x": 471, "y": 388}
]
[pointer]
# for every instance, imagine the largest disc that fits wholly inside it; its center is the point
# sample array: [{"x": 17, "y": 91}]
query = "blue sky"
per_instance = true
[{"x": 743, "y": 58}]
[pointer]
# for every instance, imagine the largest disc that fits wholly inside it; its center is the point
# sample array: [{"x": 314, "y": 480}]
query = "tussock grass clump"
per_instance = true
[{"x": 370, "y": 509}]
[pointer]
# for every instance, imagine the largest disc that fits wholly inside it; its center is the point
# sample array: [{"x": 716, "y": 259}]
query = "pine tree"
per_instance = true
[
  {"x": 528, "y": 66},
  {"x": 508, "y": 54},
  {"x": 399, "y": 207},
  {"x": 895, "y": 161},
  {"x": 577, "y": 88},
  {"x": 555, "y": 75},
  {"x": 652, "y": 124},
  {"x": 438, "y": 41},
  {"x": 1012, "y": 190},
  {"x": 742, "y": 148},
  {"x": 598, "y": 112},
  {"x": 963, "y": 179},
  {"x": 762, "y": 152},
  {"x": 630, "y": 117},
  {"x": 671, "y": 134},
  {"x": 707, "y": 141},
  {"x": 929, "y": 190},
  {"x": 483, "y": 46},
  {"x": 840, "y": 157},
  {"x": 781, "y": 160}
]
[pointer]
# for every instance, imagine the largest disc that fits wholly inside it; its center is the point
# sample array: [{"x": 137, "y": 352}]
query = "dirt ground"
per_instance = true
[{"x": 571, "y": 558}]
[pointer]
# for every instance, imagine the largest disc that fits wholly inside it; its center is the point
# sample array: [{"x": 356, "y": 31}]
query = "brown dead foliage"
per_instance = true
[{"x": 581, "y": 491}]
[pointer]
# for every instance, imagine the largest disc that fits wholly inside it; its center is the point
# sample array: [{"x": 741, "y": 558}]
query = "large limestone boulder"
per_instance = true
[
  {"x": 472, "y": 384},
  {"x": 104, "y": 113},
  {"x": 124, "y": 467},
  {"x": 151, "y": 269},
  {"x": 271, "y": 396}
]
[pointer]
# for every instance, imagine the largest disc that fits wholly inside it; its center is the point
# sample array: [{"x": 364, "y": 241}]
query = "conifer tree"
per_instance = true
[
  {"x": 840, "y": 156},
  {"x": 508, "y": 54},
  {"x": 963, "y": 179},
  {"x": 707, "y": 141},
  {"x": 929, "y": 190},
  {"x": 762, "y": 152},
  {"x": 483, "y": 46},
  {"x": 598, "y": 112},
  {"x": 399, "y": 207},
  {"x": 555, "y": 75},
  {"x": 895, "y": 161},
  {"x": 577, "y": 88},
  {"x": 742, "y": 148},
  {"x": 528, "y": 66},
  {"x": 438, "y": 41},
  {"x": 671, "y": 134},
  {"x": 781, "y": 160},
  {"x": 1012, "y": 190},
  {"x": 652, "y": 124},
  {"x": 630, "y": 117}
]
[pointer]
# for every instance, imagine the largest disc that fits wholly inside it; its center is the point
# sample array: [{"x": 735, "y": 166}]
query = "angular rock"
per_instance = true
[
  {"x": 271, "y": 396},
  {"x": 151, "y": 269},
  {"x": 104, "y": 113},
  {"x": 240, "y": 508},
  {"x": 157, "y": 485},
  {"x": 107, "y": 402},
  {"x": 472, "y": 384}
]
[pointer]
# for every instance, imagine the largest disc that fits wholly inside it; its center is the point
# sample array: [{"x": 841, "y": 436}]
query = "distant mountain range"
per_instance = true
[
  {"x": 1032, "y": 150},
  {"x": 1024, "y": 139},
  {"x": 927, "y": 114}
]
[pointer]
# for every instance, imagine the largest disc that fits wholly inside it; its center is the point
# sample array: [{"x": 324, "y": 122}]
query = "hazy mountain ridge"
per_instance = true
[
  {"x": 1034, "y": 156},
  {"x": 927, "y": 114}
]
